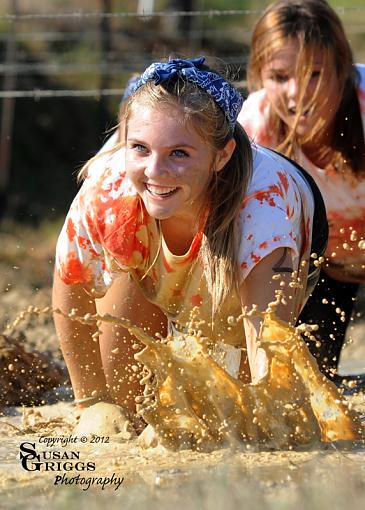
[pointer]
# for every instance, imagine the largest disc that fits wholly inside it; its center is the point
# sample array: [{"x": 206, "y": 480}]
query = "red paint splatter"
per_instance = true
[
  {"x": 289, "y": 211},
  {"x": 70, "y": 229},
  {"x": 119, "y": 181},
  {"x": 284, "y": 181},
  {"x": 73, "y": 271},
  {"x": 120, "y": 236},
  {"x": 82, "y": 242},
  {"x": 255, "y": 258},
  {"x": 265, "y": 196}
]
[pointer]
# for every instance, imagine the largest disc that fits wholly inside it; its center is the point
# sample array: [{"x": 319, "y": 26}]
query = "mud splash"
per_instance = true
[{"x": 191, "y": 402}]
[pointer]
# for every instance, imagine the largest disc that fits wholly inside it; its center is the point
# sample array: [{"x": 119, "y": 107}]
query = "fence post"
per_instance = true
[{"x": 7, "y": 111}]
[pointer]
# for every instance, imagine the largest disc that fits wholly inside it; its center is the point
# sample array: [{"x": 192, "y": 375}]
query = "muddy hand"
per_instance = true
[{"x": 104, "y": 419}]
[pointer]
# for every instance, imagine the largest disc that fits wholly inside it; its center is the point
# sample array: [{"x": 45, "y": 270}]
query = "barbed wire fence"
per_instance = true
[
  {"x": 100, "y": 50},
  {"x": 11, "y": 67}
]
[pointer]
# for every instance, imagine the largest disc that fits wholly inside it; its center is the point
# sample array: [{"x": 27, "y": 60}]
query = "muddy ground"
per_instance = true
[{"x": 323, "y": 476}]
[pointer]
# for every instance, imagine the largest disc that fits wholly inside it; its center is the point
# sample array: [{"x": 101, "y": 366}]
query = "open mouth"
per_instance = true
[{"x": 161, "y": 191}]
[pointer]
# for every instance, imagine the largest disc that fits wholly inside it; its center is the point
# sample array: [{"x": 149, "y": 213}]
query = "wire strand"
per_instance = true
[
  {"x": 96, "y": 93},
  {"x": 158, "y": 14},
  {"x": 38, "y": 93}
]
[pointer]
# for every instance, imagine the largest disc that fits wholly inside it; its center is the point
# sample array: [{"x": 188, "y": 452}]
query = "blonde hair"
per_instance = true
[
  {"x": 219, "y": 250},
  {"x": 314, "y": 25}
]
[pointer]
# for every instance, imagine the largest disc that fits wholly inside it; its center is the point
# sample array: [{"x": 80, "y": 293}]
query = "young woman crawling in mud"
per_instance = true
[{"x": 185, "y": 213}]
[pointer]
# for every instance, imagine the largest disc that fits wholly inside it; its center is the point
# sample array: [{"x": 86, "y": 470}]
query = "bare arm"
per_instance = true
[
  {"x": 125, "y": 299},
  {"x": 104, "y": 367},
  {"x": 259, "y": 289},
  {"x": 81, "y": 353}
]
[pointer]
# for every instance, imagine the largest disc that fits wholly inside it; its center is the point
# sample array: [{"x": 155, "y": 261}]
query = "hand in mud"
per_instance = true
[{"x": 105, "y": 419}]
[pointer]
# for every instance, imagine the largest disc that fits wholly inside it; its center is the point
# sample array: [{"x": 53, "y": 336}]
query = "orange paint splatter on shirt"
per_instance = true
[
  {"x": 119, "y": 181},
  {"x": 83, "y": 242},
  {"x": 73, "y": 271},
  {"x": 70, "y": 229},
  {"x": 119, "y": 236}
]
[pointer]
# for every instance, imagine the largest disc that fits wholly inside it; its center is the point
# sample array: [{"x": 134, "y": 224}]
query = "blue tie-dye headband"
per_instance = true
[{"x": 226, "y": 96}]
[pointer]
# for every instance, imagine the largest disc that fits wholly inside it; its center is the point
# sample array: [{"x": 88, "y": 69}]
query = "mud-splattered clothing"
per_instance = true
[
  {"x": 344, "y": 194},
  {"x": 108, "y": 231}
]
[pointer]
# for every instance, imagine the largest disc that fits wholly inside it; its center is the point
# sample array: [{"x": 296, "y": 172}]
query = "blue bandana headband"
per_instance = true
[{"x": 226, "y": 96}]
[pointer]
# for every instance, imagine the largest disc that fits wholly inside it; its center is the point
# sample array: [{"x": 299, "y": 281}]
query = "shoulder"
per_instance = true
[
  {"x": 107, "y": 181},
  {"x": 267, "y": 164},
  {"x": 277, "y": 176},
  {"x": 254, "y": 117},
  {"x": 255, "y": 103},
  {"x": 276, "y": 211}
]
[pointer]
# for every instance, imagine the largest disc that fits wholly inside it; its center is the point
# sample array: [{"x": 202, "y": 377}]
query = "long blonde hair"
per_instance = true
[
  {"x": 219, "y": 250},
  {"x": 314, "y": 25}
]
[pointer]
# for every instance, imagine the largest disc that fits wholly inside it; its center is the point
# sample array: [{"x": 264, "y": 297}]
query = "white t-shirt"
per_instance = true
[{"x": 108, "y": 230}]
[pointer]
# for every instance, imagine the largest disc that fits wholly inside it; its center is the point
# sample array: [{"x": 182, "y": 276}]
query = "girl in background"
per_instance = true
[{"x": 307, "y": 101}]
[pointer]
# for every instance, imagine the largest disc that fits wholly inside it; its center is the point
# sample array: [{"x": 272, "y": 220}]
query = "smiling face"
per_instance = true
[
  {"x": 168, "y": 162},
  {"x": 302, "y": 110}
]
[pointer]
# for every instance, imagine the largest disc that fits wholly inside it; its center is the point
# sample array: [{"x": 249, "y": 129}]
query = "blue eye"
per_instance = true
[
  {"x": 180, "y": 153},
  {"x": 139, "y": 147}
]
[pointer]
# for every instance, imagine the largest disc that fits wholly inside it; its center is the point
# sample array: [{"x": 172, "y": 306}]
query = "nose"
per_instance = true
[
  {"x": 155, "y": 167},
  {"x": 292, "y": 87}
]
